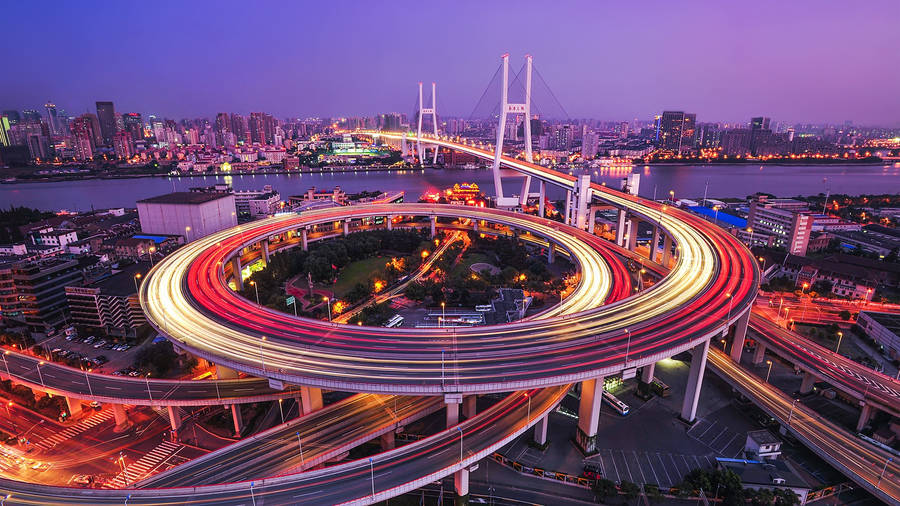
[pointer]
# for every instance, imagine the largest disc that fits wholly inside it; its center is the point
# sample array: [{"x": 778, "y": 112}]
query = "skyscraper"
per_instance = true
[
  {"x": 759, "y": 133},
  {"x": 52, "y": 118},
  {"x": 106, "y": 114},
  {"x": 134, "y": 125},
  {"x": 676, "y": 131}
]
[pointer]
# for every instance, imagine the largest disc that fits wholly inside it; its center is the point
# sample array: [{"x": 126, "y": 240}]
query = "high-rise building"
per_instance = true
[
  {"x": 589, "y": 144},
  {"x": 134, "y": 125},
  {"x": 83, "y": 137},
  {"x": 759, "y": 133},
  {"x": 736, "y": 142},
  {"x": 709, "y": 135},
  {"x": 12, "y": 115},
  {"x": 123, "y": 144},
  {"x": 223, "y": 126},
  {"x": 4, "y": 131},
  {"x": 33, "y": 292},
  {"x": 780, "y": 223},
  {"x": 239, "y": 127},
  {"x": 52, "y": 118},
  {"x": 676, "y": 131},
  {"x": 257, "y": 128},
  {"x": 106, "y": 114}
]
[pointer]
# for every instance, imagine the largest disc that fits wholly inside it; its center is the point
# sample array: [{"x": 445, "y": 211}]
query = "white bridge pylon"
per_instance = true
[
  {"x": 420, "y": 148},
  {"x": 505, "y": 109}
]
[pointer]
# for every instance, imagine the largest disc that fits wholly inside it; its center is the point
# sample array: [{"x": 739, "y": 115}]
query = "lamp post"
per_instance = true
[
  {"x": 672, "y": 196},
  {"x": 328, "y": 303},
  {"x": 300, "y": 444},
  {"x": 262, "y": 361},
  {"x": 529, "y": 406},
  {"x": 716, "y": 217},
  {"x": 791, "y": 414},
  {"x": 749, "y": 229},
  {"x": 724, "y": 342},
  {"x": 372, "y": 471},
  {"x": 840, "y": 337},
  {"x": 41, "y": 376},
  {"x": 5, "y": 353},
  {"x": 769, "y": 371},
  {"x": 256, "y": 290},
  {"x": 136, "y": 278},
  {"x": 443, "y": 312},
  {"x": 627, "y": 345},
  {"x": 883, "y": 470},
  {"x": 147, "y": 380},
  {"x": 281, "y": 410},
  {"x": 152, "y": 251},
  {"x": 786, "y": 311},
  {"x": 459, "y": 429},
  {"x": 88, "y": 381}
]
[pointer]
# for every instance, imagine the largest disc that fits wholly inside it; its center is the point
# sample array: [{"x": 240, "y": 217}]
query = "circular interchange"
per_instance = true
[
  {"x": 187, "y": 298},
  {"x": 713, "y": 272}
]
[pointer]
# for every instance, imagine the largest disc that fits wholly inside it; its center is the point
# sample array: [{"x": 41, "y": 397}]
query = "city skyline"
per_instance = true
[{"x": 733, "y": 63}]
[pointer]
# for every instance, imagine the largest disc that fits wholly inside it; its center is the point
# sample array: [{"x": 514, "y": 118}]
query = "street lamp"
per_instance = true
[
  {"x": 147, "y": 380},
  {"x": 749, "y": 229},
  {"x": 262, "y": 362},
  {"x": 840, "y": 336},
  {"x": 443, "y": 312},
  {"x": 723, "y": 344},
  {"x": 136, "y": 278},
  {"x": 890, "y": 459},
  {"x": 716, "y": 217},
  {"x": 300, "y": 444},
  {"x": 5, "y": 353},
  {"x": 770, "y": 369},
  {"x": 152, "y": 251},
  {"x": 627, "y": 345},
  {"x": 672, "y": 196},
  {"x": 791, "y": 414},
  {"x": 281, "y": 410},
  {"x": 763, "y": 260},
  {"x": 459, "y": 429},
  {"x": 41, "y": 376},
  {"x": 256, "y": 290},
  {"x": 372, "y": 471},
  {"x": 529, "y": 406},
  {"x": 328, "y": 302}
]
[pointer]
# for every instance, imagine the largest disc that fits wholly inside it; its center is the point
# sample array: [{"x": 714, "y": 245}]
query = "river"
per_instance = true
[{"x": 687, "y": 181}]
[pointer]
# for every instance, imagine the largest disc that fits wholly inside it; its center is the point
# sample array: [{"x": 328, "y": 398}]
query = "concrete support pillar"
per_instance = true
[
  {"x": 647, "y": 372},
  {"x": 759, "y": 354},
  {"x": 475, "y": 225},
  {"x": 236, "y": 272},
  {"x": 654, "y": 244},
  {"x": 121, "y": 415},
  {"x": 542, "y": 198},
  {"x": 568, "y": 218},
  {"x": 224, "y": 373},
  {"x": 310, "y": 399},
  {"x": 74, "y": 406},
  {"x": 540, "y": 430},
  {"x": 238, "y": 421},
  {"x": 452, "y": 412},
  {"x": 390, "y": 222},
  {"x": 346, "y": 228},
  {"x": 469, "y": 406},
  {"x": 551, "y": 252},
  {"x": 589, "y": 415},
  {"x": 667, "y": 251},
  {"x": 620, "y": 228},
  {"x": 582, "y": 201},
  {"x": 592, "y": 220},
  {"x": 806, "y": 385},
  {"x": 461, "y": 486},
  {"x": 864, "y": 417},
  {"x": 388, "y": 441},
  {"x": 174, "y": 417},
  {"x": 304, "y": 239},
  {"x": 264, "y": 245},
  {"x": 740, "y": 333},
  {"x": 632, "y": 233},
  {"x": 695, "y": 379},
  {"x": 433, "y": 226}
]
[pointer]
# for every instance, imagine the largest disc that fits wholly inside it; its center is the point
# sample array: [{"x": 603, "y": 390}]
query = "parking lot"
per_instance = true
[
  {"x": 98, "y": 353},
  {"x": 663, "y": 469},
  {"x": 718, "y": 437}
]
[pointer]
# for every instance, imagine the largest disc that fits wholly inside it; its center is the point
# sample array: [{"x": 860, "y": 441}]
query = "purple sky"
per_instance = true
[{"x": 803, "y": 60}]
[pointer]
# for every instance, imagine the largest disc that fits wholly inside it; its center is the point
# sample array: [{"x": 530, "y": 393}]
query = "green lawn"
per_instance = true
[
  {"x": 468, "y": 259},
  {"x": 355, "y": 272}
]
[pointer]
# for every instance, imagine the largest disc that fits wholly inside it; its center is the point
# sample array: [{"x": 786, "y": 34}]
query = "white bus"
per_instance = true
[
  {"x": 618, "y": 405},
  {"x": 395, "y": 321}
]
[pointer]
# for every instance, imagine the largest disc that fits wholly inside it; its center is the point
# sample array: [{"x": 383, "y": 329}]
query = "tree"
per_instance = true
[
  {"x": 845, "y": 315},
  {"x": 629, "y": 490},
  {"x": 604, "y": 489}
]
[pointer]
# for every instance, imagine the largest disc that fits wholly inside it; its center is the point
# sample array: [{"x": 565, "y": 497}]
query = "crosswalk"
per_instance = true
[
  {"x": 144, "y": 467},
  {"x": 92, "y": 421}
]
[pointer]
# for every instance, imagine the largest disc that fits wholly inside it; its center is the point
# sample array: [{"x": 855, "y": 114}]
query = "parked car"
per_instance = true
[
  {"x": 96, "y": 406},
  {"x": 100, "y": 343}
]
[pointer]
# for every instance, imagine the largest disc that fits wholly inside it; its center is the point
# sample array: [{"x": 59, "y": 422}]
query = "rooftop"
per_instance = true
[
  {"x": 185, "y": 198},
  {"x": 887, "y": 320},
  {"x": 763, "y": 437},
  {"x": 753, "y": 472},
  {"x": 122, "y": 283}
]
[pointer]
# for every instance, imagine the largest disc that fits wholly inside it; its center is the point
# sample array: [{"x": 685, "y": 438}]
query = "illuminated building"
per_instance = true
[
  {"x": 779, "y": 223},
  {"x": 133, "y": 125},
  {"x": 676, "y": 130},
  {"x": 33, "y": 292},
  {"x": 106, "y": 114},
  {"x": 192, "y": 214},
  {"x": 110, "y": 304},
  {"x": 123, "y": 144}
]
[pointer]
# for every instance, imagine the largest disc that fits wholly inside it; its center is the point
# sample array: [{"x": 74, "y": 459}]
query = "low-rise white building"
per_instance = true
[{"x": 192, "y": 214}]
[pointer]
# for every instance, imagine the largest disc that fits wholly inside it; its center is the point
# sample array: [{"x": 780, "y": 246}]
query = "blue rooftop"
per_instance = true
[
  {"x": 726, "y": 218},
  {"x": 158, "y": 239}
]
